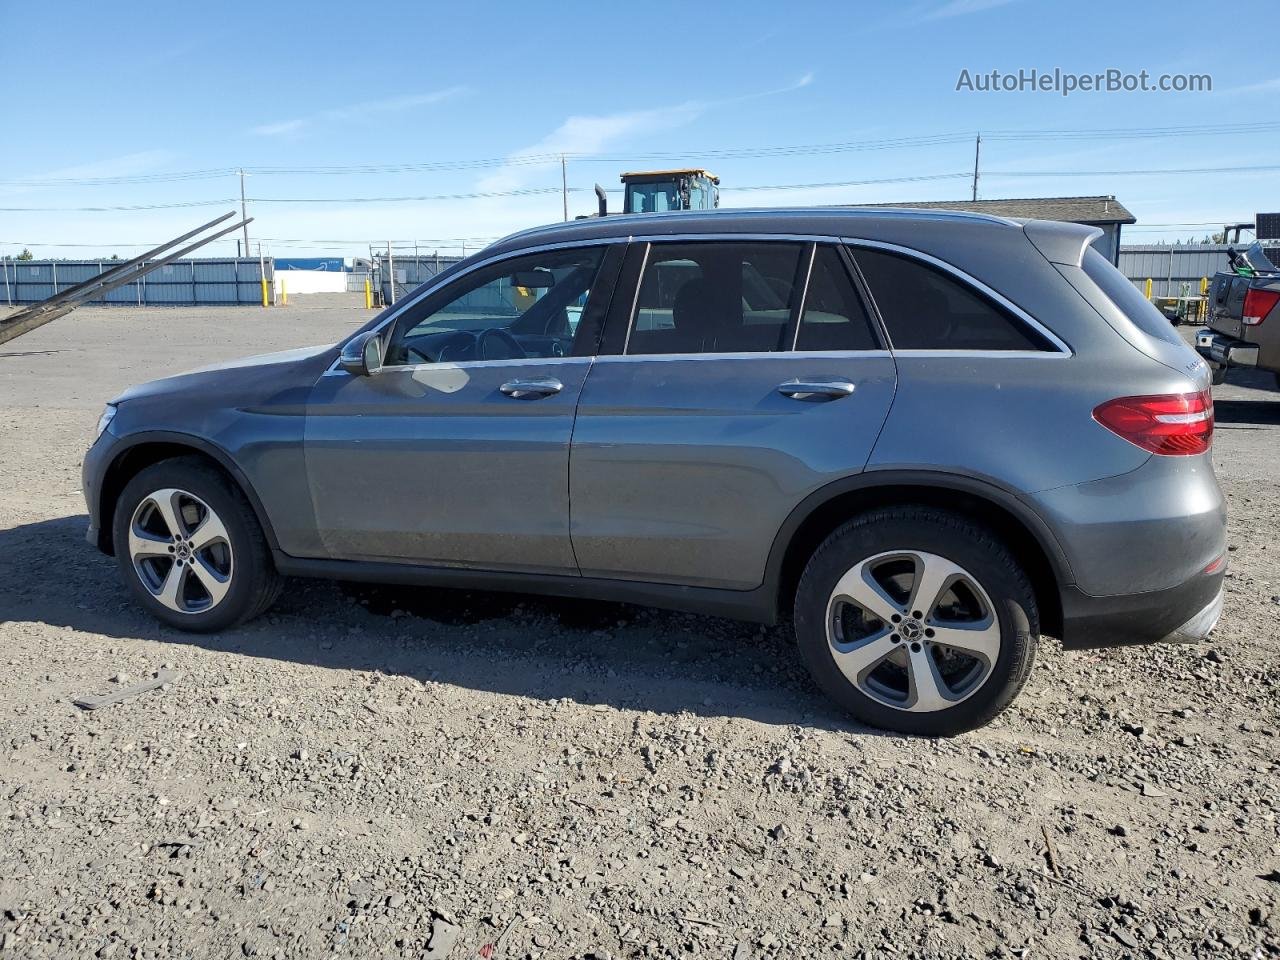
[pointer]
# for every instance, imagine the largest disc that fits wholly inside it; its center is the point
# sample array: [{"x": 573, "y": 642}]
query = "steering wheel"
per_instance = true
[
  {"x": 460, "y": 342},
  {"x": 514, "y": 350}
]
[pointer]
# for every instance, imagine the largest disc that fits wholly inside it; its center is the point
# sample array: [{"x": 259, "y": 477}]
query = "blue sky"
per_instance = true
[{"x": 168, "y": 90}]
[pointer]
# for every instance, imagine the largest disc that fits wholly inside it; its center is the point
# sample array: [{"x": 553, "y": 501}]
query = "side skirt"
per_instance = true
[{"x": 753, "y": 605}]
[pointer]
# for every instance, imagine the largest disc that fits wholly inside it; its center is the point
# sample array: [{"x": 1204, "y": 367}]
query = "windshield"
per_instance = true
[{"x": 652, "y": 197}]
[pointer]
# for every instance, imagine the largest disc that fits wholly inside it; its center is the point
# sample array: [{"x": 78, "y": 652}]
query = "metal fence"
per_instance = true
[
  {"x": 1173, "y": 269},
  {"x": 409, "y": 273},
  {"x": 204, "y": 281}
]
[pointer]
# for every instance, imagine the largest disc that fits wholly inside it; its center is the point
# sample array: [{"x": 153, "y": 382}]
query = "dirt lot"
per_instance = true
[{"x": 389, "y": 772}]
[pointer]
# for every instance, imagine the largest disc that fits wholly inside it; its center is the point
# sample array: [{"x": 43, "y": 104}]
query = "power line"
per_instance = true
[
  {"x": 135, "y": 207},
  {"x": 774, "y": 150},
  {"x": 543, "y": 191},
  {"x": 1262, "y": 168}
]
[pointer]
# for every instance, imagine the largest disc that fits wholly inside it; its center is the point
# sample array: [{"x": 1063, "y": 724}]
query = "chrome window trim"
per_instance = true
[
  {"x": 436, "y": 283},
  {"x": 909, "y": 354},
  {"x": 968, "y": 279},
  {"x": 466, "y": 365},
  {"x": 1062, "y": 349},
  {"x": 745, "y": 355},
  {"x": 804, "y": 296},
  {"x": 635, "y": 299}
]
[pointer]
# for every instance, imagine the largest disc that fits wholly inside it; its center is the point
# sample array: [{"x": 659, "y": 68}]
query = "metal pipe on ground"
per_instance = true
[{"x": 61, "y": 304}]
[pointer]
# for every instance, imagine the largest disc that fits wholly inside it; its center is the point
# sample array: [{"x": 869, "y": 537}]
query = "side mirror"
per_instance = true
[{"x": 362, "y": 356}]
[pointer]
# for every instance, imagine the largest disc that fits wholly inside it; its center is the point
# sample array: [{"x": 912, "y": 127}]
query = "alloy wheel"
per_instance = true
[
  {"x": 913, "y": 630},
  {"x": 180, "y": 551}
]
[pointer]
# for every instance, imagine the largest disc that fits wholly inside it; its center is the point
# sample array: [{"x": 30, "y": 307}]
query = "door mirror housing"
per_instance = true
[{"x": 362, "y": 356}]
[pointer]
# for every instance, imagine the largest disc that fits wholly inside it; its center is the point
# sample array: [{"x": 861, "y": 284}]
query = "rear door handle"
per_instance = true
[
  {"x": 820, "y": 390},
  {"x": 531, "y": 389}
]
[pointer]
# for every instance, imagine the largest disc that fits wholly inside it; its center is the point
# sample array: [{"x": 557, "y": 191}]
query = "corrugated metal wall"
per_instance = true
[
  {"x": 410, "y": 272},
  {"x": 210, "y": 281},
  {"x": 1170, "y": 267}
]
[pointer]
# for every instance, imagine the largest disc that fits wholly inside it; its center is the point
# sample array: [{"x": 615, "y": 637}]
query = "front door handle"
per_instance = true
[
  {"x": 531, "y": 389},
  {"x": 821, "y": 390}
]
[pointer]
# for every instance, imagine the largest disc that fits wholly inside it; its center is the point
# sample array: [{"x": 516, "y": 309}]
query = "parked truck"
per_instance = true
[{"x": 1243, "y": 315}]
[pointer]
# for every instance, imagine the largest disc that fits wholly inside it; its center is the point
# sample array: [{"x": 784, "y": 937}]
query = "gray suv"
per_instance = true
[{"x": 925, "y": 438}]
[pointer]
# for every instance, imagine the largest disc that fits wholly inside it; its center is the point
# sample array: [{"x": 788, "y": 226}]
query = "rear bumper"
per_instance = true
[
  {"x": 1225, "y": 351},
  {"x": 1183, "y": 614}
]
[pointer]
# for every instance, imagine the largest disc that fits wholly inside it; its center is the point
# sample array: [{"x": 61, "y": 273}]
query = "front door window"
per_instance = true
[{"x": 515, "y": 309}]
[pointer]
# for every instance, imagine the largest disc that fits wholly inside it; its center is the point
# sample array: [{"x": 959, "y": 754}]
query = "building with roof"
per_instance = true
[{"x": 1104, "y": 212}]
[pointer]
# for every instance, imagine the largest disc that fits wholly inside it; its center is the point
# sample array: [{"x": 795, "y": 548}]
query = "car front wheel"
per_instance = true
[
  {"x": 191, "y": 549},
  {"x": 917, "y": 620}
]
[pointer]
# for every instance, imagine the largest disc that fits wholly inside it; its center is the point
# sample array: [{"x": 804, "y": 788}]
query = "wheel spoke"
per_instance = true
[
  {"x": 144, "y": 545},
  {"x": 933, "y": 575},
  {"x": 855, "y": 660},
  {"x": 979, "y": 640},
  {"x": 208, "y": 532},
  {"x": 166, "y": 504},
  {"x": 216, "y": 584},
  {"x": 856, "y": 586},
  {"x": 927, "y": 687},
  {"x": 170, "y": 592}
]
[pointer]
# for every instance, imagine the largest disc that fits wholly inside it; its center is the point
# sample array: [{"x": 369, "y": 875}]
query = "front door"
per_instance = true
[
  {"x": 746, "y": 376},
  {"x": 457, "y": 452}
]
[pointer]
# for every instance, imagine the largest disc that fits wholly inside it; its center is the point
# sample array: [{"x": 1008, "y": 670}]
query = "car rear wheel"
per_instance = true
[
  {"x": 191, "y": 549},
  {"x": 917, "y": 620}
]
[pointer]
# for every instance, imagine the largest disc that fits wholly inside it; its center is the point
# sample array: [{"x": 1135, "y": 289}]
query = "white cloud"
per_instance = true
[
  {"x": 131, "y": 164},
  {"x": 586, "y": 134},
  {"x": 962, "y": 8},
  {"x": 279, "y": 129},
  {"x": 357, "y": 111},
  {"x": 1264, "y": 86},
  {"x": 592, "y": 134}
]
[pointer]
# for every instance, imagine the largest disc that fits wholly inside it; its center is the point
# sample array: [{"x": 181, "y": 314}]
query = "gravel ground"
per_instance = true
[{"x": 413, "y": 773}]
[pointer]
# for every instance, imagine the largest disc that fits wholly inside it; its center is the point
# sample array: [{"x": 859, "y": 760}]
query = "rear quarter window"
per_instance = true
[
  {"x": 1120, "y": 291},
  {"x": 925, "y": 308}
]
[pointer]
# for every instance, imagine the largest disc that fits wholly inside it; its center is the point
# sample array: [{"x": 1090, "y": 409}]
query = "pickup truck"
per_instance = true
[{"x": 1244, "y": 316}]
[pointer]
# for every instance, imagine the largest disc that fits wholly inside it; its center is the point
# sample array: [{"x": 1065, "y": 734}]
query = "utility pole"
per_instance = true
[
  {"x": 564, "y": 187},
  {"x": 391, "y": 272},
  {"x": 977, "y": 152},
  {"x": 243, "y": 215}
]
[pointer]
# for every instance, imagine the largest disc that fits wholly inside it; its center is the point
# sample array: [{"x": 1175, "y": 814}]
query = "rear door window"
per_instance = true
[
  {"x": 712, "y": 297},
  {"x": 925, "y": 308},
  {"x": 834, "y": 317}
]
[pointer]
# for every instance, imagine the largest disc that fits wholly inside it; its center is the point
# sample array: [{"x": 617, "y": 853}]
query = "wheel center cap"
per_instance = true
[{"x": 911, "y": 630}]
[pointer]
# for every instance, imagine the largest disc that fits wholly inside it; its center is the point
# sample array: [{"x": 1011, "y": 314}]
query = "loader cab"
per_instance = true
[{"x": 659, "y": 191}]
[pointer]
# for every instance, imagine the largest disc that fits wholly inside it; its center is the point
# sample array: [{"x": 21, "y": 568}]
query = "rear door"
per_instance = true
[{"x": 735, "y": 378}]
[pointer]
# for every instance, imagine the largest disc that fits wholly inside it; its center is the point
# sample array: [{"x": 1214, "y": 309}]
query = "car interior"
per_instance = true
[{"x": 525, "y": 313}]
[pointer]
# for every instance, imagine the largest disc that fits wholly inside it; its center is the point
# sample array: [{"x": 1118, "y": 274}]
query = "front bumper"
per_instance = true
[
  {"x": 92, "y": 475},
  {"x": 1183, "y": 614},
  {"x": 1225, "y": 351}
]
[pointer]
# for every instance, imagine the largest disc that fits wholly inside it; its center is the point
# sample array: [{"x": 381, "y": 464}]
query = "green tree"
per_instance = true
[{"x": 26, "y": 254}]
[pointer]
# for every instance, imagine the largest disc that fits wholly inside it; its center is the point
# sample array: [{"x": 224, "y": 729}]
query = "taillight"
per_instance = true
[
  {"x": 1257, "y": 304},
  {"x": 1171, "y": 424}
]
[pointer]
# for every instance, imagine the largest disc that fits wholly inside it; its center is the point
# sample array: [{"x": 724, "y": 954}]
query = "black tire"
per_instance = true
[
  {"x": 254, "y": 583},
  {"x": 958, "y": 540}
]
